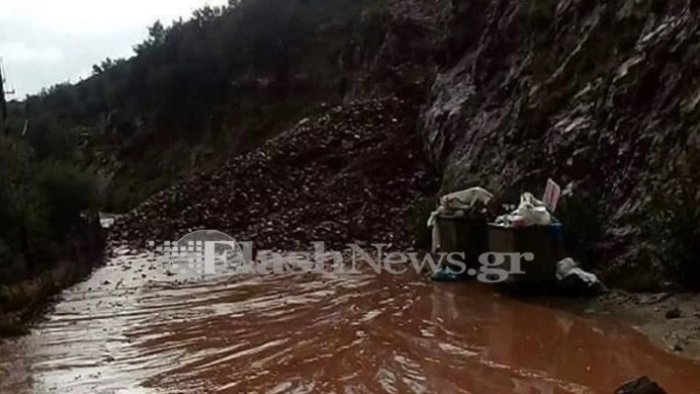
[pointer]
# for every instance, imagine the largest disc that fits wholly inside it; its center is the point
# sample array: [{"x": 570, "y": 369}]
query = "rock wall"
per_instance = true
[{"x": 601, "y": 96}]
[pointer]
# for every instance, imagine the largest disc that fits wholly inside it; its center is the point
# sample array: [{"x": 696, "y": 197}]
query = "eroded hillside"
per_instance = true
[{"x": 600, "y": 95}]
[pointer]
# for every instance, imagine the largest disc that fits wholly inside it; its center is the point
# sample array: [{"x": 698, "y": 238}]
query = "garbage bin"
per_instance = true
[
  {"x": 466, "y": 235},
  {"x": 544, "y": 242}
]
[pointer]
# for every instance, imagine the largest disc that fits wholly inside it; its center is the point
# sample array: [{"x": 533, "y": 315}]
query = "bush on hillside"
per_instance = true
[{"x": 41, "y": 202}]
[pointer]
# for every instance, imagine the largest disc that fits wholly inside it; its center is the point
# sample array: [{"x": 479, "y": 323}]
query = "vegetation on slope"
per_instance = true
[
  {"x": 45, "y": 205},
  {"x": 200, "y": 89}
]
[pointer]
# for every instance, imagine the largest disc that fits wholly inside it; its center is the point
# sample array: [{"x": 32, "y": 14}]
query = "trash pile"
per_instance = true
[
  {"x": 458, "y": 225},
  {"x": 466, "y": 222},
  {"x": 458, "y": 205},
  {"x": 533, "y": 212},
  {"x": 530, "y": 212},
  {"x": 574, "y": 279}
]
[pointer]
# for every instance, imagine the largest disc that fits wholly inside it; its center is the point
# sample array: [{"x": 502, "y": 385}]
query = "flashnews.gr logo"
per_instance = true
[
  {"x": 204, "y": 253},
  {"x": 210, "y": 253}
]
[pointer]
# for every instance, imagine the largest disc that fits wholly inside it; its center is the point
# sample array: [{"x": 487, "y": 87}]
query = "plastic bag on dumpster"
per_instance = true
[
  {"x": 454, "y": 205},
  {"x": 530, "y": 212},
  {"x": 574, "y": 279}
]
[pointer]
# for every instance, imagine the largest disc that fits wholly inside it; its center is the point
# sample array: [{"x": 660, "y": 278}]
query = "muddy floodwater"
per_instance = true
[{"x": 132, "y": 328}]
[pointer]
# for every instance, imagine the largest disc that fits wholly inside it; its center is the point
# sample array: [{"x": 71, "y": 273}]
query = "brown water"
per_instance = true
[{"x": 340, "y": 334}]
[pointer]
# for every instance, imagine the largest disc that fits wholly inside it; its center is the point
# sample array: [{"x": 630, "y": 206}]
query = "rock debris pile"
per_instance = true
[{"x": 351, "y": 173}]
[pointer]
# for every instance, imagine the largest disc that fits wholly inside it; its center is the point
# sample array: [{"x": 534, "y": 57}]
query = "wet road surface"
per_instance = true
[{"x": 132, "y": 328}]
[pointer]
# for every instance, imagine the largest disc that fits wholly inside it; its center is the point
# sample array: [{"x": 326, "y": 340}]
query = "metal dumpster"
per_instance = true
[
  {"x": 544, "y": 242},
  {"x": 463, "y": 235}
]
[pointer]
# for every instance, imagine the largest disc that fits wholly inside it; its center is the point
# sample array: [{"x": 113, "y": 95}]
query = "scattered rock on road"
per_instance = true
[
  {"x": 643, "y": 385},
  {"x": 674, "y": 313}
]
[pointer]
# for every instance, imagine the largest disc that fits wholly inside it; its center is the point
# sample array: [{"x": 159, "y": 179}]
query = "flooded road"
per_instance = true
[{"x": 134, "y": 328}]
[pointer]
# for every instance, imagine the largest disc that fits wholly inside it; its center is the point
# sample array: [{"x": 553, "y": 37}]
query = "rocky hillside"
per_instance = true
[
  {"x": 600, "y": 95},
  {"x": 202, "y": 88}
]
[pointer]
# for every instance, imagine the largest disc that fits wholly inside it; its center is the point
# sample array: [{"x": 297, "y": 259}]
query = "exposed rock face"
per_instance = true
[{"x": 602, "y": 95}]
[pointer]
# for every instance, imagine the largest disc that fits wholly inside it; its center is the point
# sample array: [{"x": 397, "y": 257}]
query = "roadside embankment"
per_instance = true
[{"x": 23, "y": 299}]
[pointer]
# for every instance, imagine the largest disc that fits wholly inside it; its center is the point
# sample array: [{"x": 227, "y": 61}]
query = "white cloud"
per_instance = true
[
  {"x": 43, "y": 42},
  {"x": 21, "y": 53}
]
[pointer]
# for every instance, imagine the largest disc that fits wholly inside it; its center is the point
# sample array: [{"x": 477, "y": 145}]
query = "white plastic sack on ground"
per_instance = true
[{"x": 568, "y": 268}]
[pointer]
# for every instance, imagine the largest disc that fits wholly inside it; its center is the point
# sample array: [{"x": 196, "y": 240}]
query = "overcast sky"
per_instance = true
[{"x": 44, "y": 42}]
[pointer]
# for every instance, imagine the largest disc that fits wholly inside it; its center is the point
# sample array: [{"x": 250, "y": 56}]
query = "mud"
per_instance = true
[
  {"x": 133, "y": 327},
  {"x": 671, "y": 321}
]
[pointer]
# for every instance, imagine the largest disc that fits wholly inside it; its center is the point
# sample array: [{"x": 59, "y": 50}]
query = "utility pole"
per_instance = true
[{"x": 3, "y": 104}]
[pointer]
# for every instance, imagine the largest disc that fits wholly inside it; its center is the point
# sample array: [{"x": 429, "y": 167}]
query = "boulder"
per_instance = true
[{"x": 643, "y": 385}]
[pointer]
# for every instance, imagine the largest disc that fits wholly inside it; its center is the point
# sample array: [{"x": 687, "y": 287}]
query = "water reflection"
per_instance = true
[{"x": 132, "y": 328}]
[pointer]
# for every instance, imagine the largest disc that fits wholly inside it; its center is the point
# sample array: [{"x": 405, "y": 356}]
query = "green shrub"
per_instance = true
[
  {"x": 41, "y": 203},
  {"x": 65, "y": 191},
  {"x": 50, "y": 141}
]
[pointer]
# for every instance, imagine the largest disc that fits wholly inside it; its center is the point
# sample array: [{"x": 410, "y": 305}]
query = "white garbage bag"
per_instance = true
[
  {"x": 530, "y": 212},
  {"x": 454, "y": 205},
  {"x": 568, "y": 270}
]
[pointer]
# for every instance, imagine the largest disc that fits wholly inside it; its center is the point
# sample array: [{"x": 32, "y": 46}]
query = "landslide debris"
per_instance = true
[{"x": 350, "y": 173}]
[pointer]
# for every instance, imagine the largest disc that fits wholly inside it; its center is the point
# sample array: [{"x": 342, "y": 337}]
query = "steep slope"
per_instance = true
[
  {"x": 601, "y": 96},
  {"x": 201, "y": 89},
  {"x": 352, "y": 173}
]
